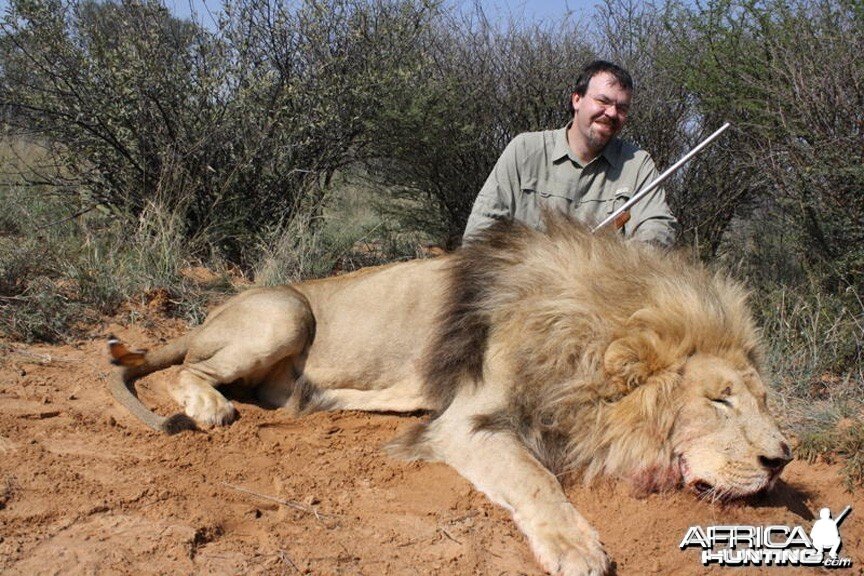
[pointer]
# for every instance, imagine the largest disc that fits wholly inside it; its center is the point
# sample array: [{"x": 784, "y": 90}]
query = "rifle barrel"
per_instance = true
[{"x": 659, "y": 180}]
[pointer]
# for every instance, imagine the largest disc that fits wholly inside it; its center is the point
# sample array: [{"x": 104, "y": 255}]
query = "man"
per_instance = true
[{"x": 581, "y": 169}]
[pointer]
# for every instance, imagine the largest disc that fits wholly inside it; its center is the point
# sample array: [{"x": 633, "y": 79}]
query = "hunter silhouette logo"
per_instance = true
[
  {"x": 772, "y": 545},
  {"x": 825, "y": 534}
]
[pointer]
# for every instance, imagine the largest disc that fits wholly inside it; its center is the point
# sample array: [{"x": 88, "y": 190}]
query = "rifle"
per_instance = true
[
  {"x": 842, "y": 515},
  {"x": 622, "y": 214}
]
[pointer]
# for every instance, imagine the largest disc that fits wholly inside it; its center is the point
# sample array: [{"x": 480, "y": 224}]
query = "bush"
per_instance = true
[
  {"x": 243, "y": 128},
  {"x": 841, "y": 440},
  {"x": 774, "y": 68},
  {"x": 479, "y": 87}
]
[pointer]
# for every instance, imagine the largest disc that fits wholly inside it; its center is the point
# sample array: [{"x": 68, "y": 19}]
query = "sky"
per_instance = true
[{"x": 522, "y": 10}]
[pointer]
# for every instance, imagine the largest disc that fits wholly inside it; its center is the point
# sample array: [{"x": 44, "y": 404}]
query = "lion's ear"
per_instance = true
[{"x": 631, "y": 360}]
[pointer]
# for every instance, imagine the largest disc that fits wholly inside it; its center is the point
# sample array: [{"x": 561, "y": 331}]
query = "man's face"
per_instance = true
[{"x": 601, "y": 113}]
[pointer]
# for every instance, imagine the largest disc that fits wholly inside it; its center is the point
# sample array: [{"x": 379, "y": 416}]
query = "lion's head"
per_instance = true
[
  {"x": 625, "y": 361},
  {"x": 726, "y": 443},
  {"x": 683, "y": 383}
]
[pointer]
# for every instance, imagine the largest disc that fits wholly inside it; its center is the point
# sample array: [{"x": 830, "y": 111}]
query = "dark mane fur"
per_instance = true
[{"x": 462, "y": 328}]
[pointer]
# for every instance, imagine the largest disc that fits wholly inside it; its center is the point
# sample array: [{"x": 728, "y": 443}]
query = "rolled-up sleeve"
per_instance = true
[{"x": 497, "y": 197}]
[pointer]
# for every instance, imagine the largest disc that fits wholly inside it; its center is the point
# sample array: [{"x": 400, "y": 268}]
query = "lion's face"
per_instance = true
[{"x": 727, "y": 444}]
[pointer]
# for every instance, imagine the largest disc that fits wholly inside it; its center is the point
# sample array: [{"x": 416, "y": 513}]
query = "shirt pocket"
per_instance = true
[
  {"x": 604, "y": 202},
  {"x": 547, "y": 195},
  {"x": 621, "y": 197},
  {"x": 598, "y": 204}
]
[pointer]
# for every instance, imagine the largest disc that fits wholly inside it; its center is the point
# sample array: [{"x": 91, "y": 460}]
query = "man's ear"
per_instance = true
[
  {"x": 631, "y": 360},
  {"x": 574, "y": 100}
]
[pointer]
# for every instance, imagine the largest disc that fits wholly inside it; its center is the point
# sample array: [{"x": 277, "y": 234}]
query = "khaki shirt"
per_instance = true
[{"x": 538, "y": 170}]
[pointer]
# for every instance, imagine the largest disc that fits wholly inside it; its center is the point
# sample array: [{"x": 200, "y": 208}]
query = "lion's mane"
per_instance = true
[{"x": 597, "y": 330}]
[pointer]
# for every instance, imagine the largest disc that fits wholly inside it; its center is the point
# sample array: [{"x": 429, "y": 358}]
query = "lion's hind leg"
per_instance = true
[{"x": 251, "y": 340}]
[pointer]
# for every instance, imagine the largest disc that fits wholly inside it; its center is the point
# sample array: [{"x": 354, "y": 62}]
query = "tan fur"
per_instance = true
[{"x": 541, "y": 354}]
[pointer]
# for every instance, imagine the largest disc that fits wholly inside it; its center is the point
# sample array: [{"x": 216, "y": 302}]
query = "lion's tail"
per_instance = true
[{"x": 135, "y": 364}]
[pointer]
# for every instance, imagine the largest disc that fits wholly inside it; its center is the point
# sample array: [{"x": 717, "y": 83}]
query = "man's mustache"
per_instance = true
[{"x": 608, "y": 121}]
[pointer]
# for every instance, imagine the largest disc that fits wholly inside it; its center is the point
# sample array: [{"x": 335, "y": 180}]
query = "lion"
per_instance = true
[{"x": 539, "y": 354}]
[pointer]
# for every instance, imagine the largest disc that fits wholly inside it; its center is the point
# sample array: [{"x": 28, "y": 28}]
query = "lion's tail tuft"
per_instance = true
[{"x": 121, "y": 355}]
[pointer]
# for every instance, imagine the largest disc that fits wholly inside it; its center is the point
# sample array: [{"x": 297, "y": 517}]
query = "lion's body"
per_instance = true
[
  {"x": 537, "y": 352},
  {"x": 378, "y": 343}
]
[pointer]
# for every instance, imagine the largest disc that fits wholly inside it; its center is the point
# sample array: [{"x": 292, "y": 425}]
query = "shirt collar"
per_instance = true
[
  {"x": 612, "y": 151},
  {"x": 562, "y": 149}
]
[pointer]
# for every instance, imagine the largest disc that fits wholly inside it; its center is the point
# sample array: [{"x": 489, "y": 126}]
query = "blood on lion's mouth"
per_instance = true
[{"x": 707, "y": 491}]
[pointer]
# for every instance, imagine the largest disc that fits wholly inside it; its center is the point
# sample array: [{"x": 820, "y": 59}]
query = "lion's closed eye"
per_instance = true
[{"x": 723, "y": 398}]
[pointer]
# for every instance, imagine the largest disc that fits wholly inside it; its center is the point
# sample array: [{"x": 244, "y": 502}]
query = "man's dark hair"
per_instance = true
[{"x": 622, "y": 77}]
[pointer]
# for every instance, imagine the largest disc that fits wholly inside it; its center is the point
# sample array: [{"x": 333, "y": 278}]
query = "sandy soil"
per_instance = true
[{"x": 86, "y": 489}]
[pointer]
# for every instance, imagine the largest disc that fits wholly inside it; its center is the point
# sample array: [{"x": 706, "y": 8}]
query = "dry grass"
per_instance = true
[
  {"x": 816, "y": 355},
  {"x": 843, "y": 442}
]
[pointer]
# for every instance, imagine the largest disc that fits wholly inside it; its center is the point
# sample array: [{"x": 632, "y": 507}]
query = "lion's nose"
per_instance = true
[{"x": 775, "y": 464}]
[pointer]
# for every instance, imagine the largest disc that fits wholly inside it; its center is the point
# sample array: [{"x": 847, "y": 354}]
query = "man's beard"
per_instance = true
[{"x": 597, "y": 141}]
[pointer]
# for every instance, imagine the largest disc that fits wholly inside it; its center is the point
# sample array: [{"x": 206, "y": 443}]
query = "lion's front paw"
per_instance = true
[
  {"x": 210, "y": 408},
  {"x": 577, "y": 554}
]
